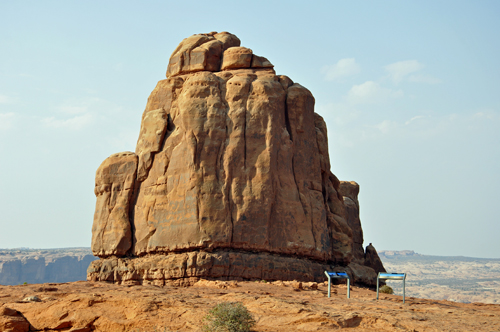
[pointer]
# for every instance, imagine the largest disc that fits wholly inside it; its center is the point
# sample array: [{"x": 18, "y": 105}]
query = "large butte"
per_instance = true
[{"x": 230, "y": 179}]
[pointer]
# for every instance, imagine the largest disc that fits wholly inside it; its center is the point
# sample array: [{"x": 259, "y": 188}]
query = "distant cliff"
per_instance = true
[
  {"x": 34, "y": 266},
  {"x": 452, "y": 278}
]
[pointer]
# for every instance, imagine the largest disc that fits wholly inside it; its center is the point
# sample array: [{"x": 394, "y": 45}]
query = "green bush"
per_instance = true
[
  {"x": 228, "y": 317},
  {"x": 386, "y": 289}
]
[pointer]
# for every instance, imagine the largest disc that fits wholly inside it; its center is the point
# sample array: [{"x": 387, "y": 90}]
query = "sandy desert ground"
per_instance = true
[{"x": 97, "y": 306}]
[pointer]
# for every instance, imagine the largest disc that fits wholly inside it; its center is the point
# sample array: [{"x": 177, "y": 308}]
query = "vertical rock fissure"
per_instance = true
[
  {"x": 228, "y": 183},
  {"x": 312, "y": 225},
  {"x": 227, "y": 172},
  {"x": 323, "y": 189},
  {"x": 198, "y": 211},
  {"x": 245, "y": 138},
  {"x": 222, "y": 145},
  {"x": 195, "y": 152},
  {"x": 250, "y": 91},
  {"x": 170, "y": 127},
  {"x": 290, "y": 132},
  {"x": 295, "y": 178},
  {"x": 287, "y": 123},
  {"x": 131, "y": 215}
]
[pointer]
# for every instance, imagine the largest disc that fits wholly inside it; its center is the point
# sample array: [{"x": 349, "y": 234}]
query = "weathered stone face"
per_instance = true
[
  {"x": 201, "y": 52},
  {"x": 240, "y": 168},
  {"x": 230, "y": 157},
  {"x": 111, "y": 231}
]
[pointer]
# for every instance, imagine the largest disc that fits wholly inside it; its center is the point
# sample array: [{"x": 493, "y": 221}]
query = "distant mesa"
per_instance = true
[
  {"x": 396, "y": 253},
  {"x": 230, "y": 179},
  {"x": 37, "y": 266}
]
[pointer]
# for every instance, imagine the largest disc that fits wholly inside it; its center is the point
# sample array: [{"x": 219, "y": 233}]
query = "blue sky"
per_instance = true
[{"x": 410, "y": 91}]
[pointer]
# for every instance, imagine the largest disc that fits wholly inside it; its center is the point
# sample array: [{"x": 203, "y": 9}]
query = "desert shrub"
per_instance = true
[
  {"x": 228, "y": 317},
  {"x": 386, "y": 289}
]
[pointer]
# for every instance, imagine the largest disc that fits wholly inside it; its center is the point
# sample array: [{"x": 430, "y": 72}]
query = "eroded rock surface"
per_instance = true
[
  {"x": 111, "y": 231},
  {"x": 279, "y": 306},
  {"x": 231, "y": 161},
  {"x": 12, "y": 321}
]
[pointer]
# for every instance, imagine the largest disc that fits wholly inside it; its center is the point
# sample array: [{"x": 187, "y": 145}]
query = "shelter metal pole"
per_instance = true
[
  {"x": 329, "y": 284},
  {"x": 329, "y": 287},
  {"x": 404, "y": 289},
  {"x": 377, "y": 284}
]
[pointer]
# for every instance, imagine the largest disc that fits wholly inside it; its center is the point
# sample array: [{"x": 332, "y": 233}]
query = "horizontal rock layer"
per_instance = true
[{"x": 223, "y": 264}]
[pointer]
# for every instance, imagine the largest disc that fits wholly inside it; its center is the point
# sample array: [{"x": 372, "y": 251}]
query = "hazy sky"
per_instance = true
[{"x": 410, "y": 91}]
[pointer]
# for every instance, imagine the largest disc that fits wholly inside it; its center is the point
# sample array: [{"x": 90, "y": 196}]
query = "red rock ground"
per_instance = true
[{"x": 96, "y": 306}]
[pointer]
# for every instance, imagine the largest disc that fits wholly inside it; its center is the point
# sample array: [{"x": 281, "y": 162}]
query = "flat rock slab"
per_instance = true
[{"x": 278, "y": 306}]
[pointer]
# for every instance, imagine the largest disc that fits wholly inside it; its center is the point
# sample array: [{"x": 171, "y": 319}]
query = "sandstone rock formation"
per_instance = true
[
  {"x": 12, "y": 321},
  {"x": 230, "y": 179}
]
